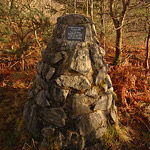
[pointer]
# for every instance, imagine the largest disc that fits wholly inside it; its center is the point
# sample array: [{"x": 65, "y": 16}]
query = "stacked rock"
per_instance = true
[{"x": 71, "y": 100}]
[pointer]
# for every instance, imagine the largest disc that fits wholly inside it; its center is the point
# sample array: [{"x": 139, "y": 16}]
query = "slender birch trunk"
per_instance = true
[
  {"x": 91, "y": 10},
  {"x": 147, "y": 53},
  {"x": 118, "y": 23},
  {"x": 75, "y": 6},
  {"x": 87, "y": 8}
]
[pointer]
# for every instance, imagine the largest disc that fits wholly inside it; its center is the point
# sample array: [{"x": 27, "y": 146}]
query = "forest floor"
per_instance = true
[{"x": 130, "y": 84}]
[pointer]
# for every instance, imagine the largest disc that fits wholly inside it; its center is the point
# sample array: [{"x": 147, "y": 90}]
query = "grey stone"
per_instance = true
[
  {"x": 84, "y": 125},
  {"x": 65, "y": 56},
  {"x": 84, "y": 44},
  {"x": 81, "y": 104},
  {"x": 96, "y": 57},
  {"x": 39, "y": 83},
  {"x": 39, "y": 67},
  {"x": 76, "y": 82},
  {"x": 74, "y": 140},
  {"x": 101, "y": 75},
  {"x": 104, "y": 103},
  {"x": 58, "y": 44},
  {"x": 54, "y": 116},
  {"x": 65, "y": 93},
  {"x": 93, "y": 92},
  {"x": 88, "y": 36},
  {"x": 113, "y": 113},
  {"x": 45, "y": 53},
  {"x": 80, "y": 61},
  {"x": 55, "y": 58},
  {"x": 30, "y": 119},
  {"x": 102, "y": 51},
  {"x": 110, "y": 90},
  {"x": 110, "y": 100},
  {"x": 94, "y": 147},
  {"x": 30, "y": 93},
  {"x": 59, "y": 32},
  {"x": 59, "y": 140},
  {"x": 105, "y": 87},
  {"x": 42, "y": 68},
  {"x": 66, "y": 47},
  {"x": 51, "y": 58},
  {"x": 96, "y": 40},
  {"x": 44, "y": 144},
  {"x": 108, "y": 81},
  {"x": 47, "y": 131},
  {"x": 91, "y": 122},
  {"x": 50, "y": 73},
  {"x": 52, "y": 140},
  {"x": 74, "y": 19},
  {"x": 100, "y": 132},
  {"x": 59, "y": 94},
  {"x": 80, "y": 109},
  {"x": 42, "y": 98}
]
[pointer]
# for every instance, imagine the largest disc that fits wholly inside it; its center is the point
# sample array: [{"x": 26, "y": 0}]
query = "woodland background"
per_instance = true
[{"x": 123, "y": 29}]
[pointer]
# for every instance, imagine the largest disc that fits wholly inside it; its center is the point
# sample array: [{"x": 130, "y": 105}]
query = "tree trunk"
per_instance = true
[
  {"x": 118, "y": 46},
  {"x": 50, "y": 3},
  {"x": 12, "y": 3},
  {"x": 118, "y": 23},
  {"x": 87, "y": 8},
  {"x": 75, "y": 6},
  {"x": 147, "y": 53},
  {"x": 23, "y": 63},
  {"x": 102, "y": 18},
  {"x": 91, "y": 9}
]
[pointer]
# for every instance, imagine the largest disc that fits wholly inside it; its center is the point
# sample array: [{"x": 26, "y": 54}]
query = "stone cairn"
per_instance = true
[{"x": 71, "y": 101}]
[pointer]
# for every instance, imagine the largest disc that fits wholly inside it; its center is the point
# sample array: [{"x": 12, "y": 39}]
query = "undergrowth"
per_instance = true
[{"x": 129, "y": 83}]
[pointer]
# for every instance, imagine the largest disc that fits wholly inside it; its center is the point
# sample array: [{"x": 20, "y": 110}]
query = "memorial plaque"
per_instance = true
[{"x": 75, "y": 33}]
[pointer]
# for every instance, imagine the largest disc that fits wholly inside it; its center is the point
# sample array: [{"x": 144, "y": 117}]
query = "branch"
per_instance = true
[
  {"x": 30, "y": 31},
  {"x": 123, "y": 2},
  {"x": 37, "y": 38},
  {"x": 125, "y": 6},
  {"x": 112, "y": 13},
  {"x": 2, "y": 60}
]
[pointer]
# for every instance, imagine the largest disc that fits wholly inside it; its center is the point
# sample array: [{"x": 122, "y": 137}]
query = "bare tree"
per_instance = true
[
  {"x": 12, "y": 4},
  {"x": 50, "y": 4},
  {"x": 75, "y": 6},
  {"x": 147, "y": 42},
  {"x": 145, "y": 4},
  {"x": 118, "y": 20},
  {"x": 91, "y": 8},
  {"x": 147, "y": 53},
  {"x": 101, "y": 3},
  {"x": 87, "y": 8}
]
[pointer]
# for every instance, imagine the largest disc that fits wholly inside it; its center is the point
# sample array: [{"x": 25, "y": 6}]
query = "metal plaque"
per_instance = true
[{"x": 75, "y": 33}]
